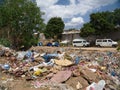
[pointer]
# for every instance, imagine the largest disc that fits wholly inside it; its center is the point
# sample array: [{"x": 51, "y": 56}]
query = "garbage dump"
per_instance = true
[{"x": 59, "y": 68}]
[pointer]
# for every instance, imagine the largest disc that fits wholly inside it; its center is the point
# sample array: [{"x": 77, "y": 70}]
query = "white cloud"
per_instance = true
[
  {"x": 69, "y": 11},
  {"x": 46, "y": 3},
  {"x": 75, "y": 21}
]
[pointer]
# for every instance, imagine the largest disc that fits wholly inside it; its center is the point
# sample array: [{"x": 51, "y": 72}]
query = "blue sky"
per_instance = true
[{"x": 75, "y": 13}]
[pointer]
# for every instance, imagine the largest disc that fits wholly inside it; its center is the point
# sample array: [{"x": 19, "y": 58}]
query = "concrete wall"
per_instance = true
[
  {"x": 70, "y": 37},
  {"x": 114, "y": 36}
]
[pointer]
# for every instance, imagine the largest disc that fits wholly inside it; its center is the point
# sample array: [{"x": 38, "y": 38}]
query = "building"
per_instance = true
[{"x": 70, "y": 35}]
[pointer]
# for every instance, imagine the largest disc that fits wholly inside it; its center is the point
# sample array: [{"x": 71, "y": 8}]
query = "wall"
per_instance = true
[{"x": 70, "y": 37}]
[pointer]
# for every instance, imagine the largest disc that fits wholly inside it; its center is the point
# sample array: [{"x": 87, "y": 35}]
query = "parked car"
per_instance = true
[
  {"x": 80, "y": 42},
  {"x": 106, "y": 42}
]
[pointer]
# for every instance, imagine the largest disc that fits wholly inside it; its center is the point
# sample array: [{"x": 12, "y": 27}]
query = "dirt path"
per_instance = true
[{"x": 99, "y": 49}]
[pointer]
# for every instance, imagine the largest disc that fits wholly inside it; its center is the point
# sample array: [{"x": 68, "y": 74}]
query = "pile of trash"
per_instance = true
[{"x": 62, "y": 68}]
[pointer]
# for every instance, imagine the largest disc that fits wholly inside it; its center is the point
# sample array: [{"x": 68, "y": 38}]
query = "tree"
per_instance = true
[
  {"x": 21, "y": 18},
  {"x": 54, "y": 28},
  {"x": 87, "y": 30},
  {"x": 117, "y": 16},
  {"x": 101, "y": 23}
]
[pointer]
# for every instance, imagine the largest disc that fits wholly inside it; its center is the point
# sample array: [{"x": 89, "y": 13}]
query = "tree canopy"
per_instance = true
[
  {"x": 54, "y": 28},
  {"x": 19, "y": 19},
  {"x": 101, "y": 23},
  {"x": 87, "y": 30}
]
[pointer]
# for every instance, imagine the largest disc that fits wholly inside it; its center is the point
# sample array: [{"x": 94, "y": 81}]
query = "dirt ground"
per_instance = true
[{"x": 20, "y": 83}]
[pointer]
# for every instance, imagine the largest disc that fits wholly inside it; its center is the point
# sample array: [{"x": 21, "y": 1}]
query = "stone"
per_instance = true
[{"x": 61, "y": 76}]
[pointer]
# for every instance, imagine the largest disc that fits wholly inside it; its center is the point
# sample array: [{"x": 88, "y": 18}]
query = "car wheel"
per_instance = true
[
  {"x": 74, "y": 45},
  {"x": 84, "y": 45}
]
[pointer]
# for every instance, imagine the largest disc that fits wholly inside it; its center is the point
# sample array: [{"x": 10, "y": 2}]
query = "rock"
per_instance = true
[
  {"x": 111, "y": 87},
  {"x": 73, "y": 82},
  {"x": 49, "y": 75},
  {"x": 13, "y": 59},
  {"x": 89, "y": 76},
  {"x": 61, "y": 76},
  {"x": 78, "y": 86},
  {"x": 76, "y": 72}
]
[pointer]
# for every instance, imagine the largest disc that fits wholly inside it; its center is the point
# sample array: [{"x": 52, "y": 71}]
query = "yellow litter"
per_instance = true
[
  {"x": 37, "y": 72},
  {"x": 103, "y": 68}
]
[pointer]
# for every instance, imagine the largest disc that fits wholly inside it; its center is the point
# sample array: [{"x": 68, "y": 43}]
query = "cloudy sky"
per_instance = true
[{"x": 75, "y": 12}]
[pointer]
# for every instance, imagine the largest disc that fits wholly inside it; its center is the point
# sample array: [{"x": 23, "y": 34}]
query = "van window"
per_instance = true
[
  {"x": 104, "y": 40},
  {"x": 77, "y": 41},
  {"x": 84, "y": 41},
  {"x": 99, "y": 40}
]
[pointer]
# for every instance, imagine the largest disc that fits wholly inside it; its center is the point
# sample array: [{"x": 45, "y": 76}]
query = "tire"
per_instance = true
[
  {"x": 84, "y": 45},
  {"x": 98, "y": 46},
  {"x": 114, "y": 46},
  {"x": 75, "y": 46}
]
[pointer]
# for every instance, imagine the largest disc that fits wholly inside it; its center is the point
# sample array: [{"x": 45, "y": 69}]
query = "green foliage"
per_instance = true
[
  {"x": 4, "y": 42},
  {"x": 22, "y": 17},
  {"x": 101, "y": 23},
  {"x": 117, "y": 16},
  {"x": 54, "y": 28},
  {"x": 87, "y": 30}
]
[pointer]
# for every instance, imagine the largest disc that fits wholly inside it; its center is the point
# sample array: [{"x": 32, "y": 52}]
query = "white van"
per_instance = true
[
  {"x": 106, "y": 43},
  {"x": 80, "y": 42}
]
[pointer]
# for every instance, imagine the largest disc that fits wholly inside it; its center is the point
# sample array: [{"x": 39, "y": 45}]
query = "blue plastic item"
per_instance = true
[
  {"x": 49, "y": 44},
  {"x": 29, "y": 54},
  {"x": 6, "y": 67},
  {"x": 40, "y": 44},
  {"x": 56, "y": 44},
  {"x": 113, "y": 73},
  {"x": 77, "y": 60}
]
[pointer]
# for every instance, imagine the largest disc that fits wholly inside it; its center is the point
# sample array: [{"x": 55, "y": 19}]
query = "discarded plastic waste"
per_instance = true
[
  {"x": 37, "y": 72},
  {"x": 100, "y": 85},
  {"x": 29, "y": 54},
  {"x": 77, "y": 60},
  {"x": 113, "y": 73},
  {"x": 96, "y": 86},
  {"x": 6, "y": 67}
]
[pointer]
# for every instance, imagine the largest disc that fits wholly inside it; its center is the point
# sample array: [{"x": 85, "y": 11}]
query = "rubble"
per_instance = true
[
  {"x": 76, "y": 69},
  {"x": 61, "y": 76}
]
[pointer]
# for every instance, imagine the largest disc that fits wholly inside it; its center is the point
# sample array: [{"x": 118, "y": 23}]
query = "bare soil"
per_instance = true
[{"x": 22, "y": 84}]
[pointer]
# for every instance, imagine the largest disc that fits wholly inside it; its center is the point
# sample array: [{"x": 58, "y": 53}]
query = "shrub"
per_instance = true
[{"x": 4, "y": 42}]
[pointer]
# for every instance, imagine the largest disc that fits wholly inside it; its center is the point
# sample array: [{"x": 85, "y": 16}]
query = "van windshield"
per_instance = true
[{"x": 109, "y": 40}]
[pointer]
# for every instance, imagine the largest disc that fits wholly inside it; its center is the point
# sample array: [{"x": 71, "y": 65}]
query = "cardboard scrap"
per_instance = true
[{"x": 63, "y": 62}]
